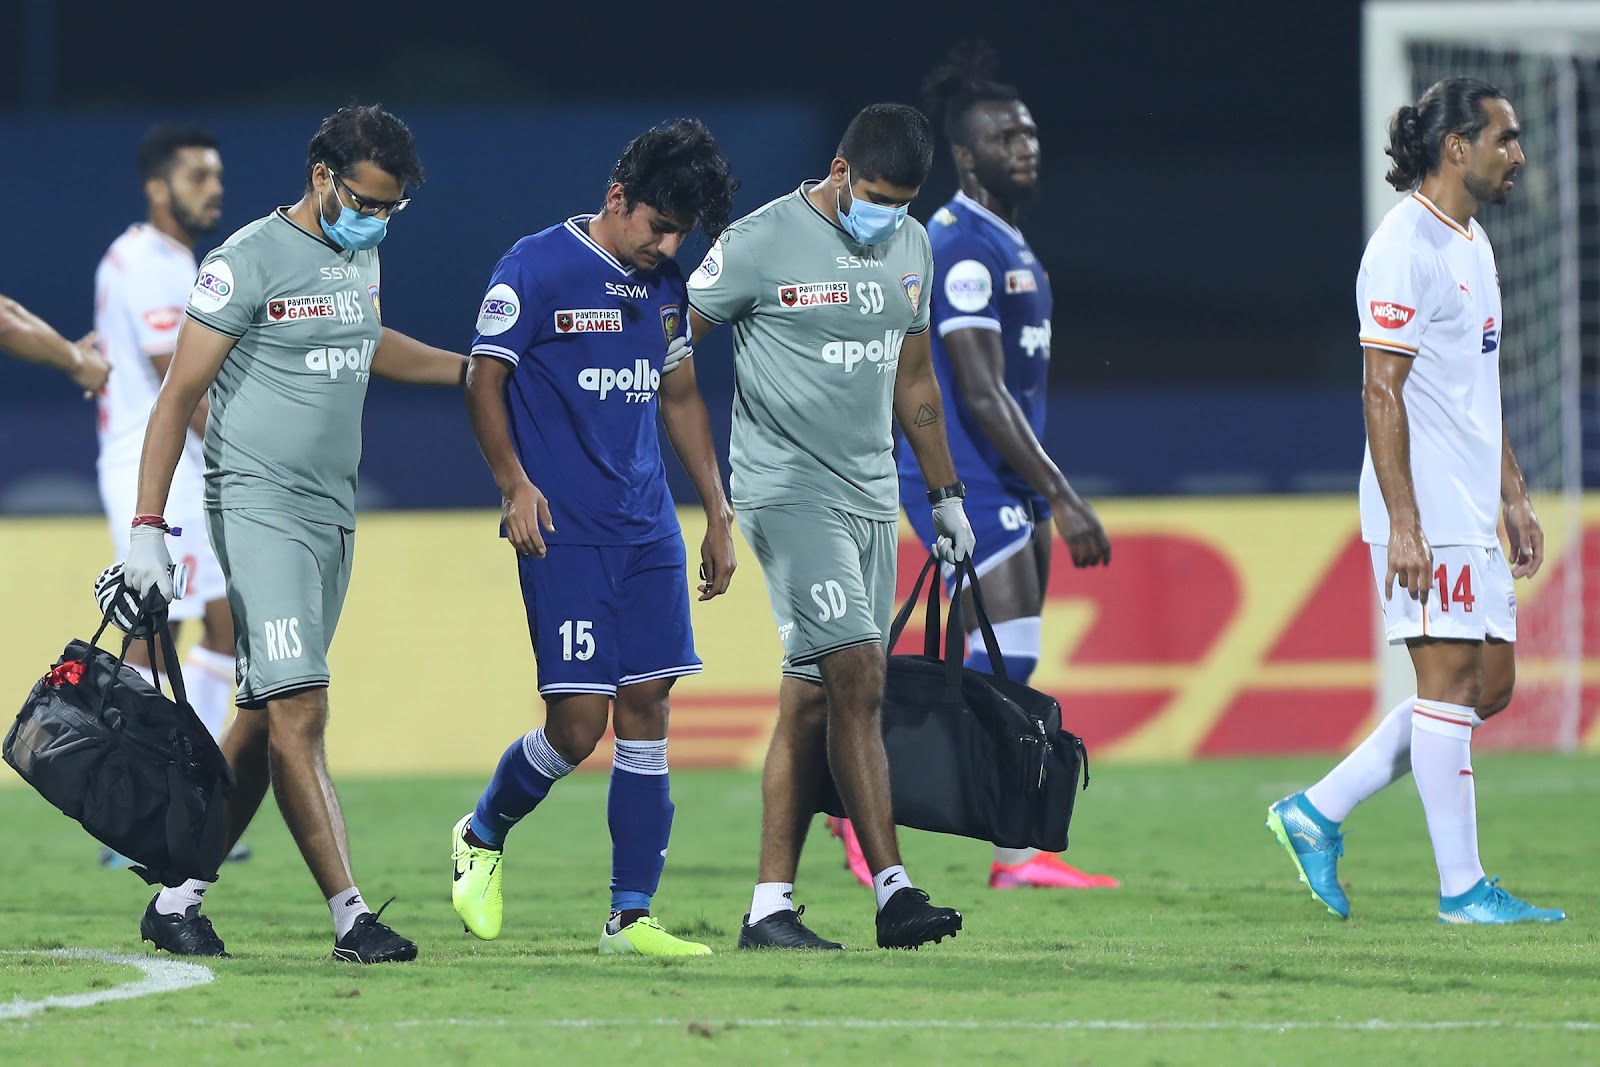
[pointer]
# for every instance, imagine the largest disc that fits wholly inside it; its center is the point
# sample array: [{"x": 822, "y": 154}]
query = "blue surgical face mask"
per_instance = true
[
  {"x": 352, "y": 230},
  {"x": 871, "y": 223}
]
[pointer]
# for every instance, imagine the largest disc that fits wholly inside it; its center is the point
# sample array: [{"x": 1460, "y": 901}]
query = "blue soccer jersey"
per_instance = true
[
  {"x": 986, "y": 278},
  {"x": 585, "y": 336}
]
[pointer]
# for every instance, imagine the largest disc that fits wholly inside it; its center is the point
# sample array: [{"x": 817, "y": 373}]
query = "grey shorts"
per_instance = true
[
  {"x": 287, "y": 578},
  {"x": 830, "y": 578}
]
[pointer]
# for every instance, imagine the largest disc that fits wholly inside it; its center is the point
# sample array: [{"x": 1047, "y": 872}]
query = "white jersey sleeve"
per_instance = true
[{"x": 1397, "y": 295}]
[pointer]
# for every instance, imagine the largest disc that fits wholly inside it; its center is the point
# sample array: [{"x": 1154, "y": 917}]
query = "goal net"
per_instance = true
[{"x": 1545, "y": 56}]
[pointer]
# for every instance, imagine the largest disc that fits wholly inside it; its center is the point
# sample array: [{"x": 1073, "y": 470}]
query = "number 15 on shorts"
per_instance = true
[{"x": 577, "y": 639}]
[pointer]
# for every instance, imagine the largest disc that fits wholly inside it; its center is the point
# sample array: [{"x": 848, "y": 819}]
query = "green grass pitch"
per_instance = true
[{"x": 1210, "y": 953}]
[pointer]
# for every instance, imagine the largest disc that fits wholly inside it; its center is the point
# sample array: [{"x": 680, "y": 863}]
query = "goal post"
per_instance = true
[{"x": 1545, "y": 55}]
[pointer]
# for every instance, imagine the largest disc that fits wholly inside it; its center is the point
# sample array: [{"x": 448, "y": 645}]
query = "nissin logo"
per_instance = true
[{"x": 1389, "y": 315}]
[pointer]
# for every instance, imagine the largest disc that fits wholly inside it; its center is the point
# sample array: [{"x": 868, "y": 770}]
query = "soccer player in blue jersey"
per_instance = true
[
  {"x": 582, "y": 329},
  {"x": 991, "y": 352}
]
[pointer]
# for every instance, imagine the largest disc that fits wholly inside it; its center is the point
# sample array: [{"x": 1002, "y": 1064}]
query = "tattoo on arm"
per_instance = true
[{"x": 925, "y": 416}]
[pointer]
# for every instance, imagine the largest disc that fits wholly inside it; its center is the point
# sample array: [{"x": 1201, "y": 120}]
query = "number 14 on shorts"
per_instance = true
[{"x": 1458, "y": 592}]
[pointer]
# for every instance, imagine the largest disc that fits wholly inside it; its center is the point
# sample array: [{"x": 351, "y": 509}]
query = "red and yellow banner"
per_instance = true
[{"x": 1223, "y": 627}]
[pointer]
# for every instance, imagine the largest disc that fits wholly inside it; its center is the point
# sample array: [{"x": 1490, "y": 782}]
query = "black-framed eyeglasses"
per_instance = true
[{"x": 366, "y": 205}]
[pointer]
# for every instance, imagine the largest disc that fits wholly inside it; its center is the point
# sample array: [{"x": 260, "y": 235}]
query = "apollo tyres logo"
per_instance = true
[
  {"x": 331, "y": 361},
  {"x": 1389, "y": 315},
  {"x": 637, "y": 384},
  {"x": 883, "y": 354}
]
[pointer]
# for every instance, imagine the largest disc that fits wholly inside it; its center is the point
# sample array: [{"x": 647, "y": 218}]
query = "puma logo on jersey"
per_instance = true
[
  {"x": 1389, "y": 315},
  {"x": 851, "y": 354}
]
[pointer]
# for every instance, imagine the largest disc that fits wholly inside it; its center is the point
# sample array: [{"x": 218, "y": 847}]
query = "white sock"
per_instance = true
[
  {"x": 887, "y": 882},
  {"x": 175, "y": 900},
  {"x": 208, "y": 676},
  {"x": 1441, "y": 761},
  {"x": 1380, "y": 760},
  {"x": 1011, "y": 857},
  {"x": 771, "y": 898},
  {"x": 347, "y": 906}
]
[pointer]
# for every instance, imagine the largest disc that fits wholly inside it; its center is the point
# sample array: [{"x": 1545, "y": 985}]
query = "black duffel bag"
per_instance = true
[
  {"x": 972, "y": 754},
  {"x": 139, "y": 771}
]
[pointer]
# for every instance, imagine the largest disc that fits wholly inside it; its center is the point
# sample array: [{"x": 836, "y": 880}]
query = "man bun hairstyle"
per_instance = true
[
  {"x": 1417, "y": 131},
  {"x": 889, "y": 142},
  {"x": 160, "y": 145},
  {"x": 365, "y": 133},
  {"x": 964, "y": 80},
  {"x": 678, "y": 169}
]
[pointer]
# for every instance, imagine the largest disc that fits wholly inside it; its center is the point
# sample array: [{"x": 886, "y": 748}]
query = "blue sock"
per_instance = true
[
  {"x": 524, "y": 777},
  {"x": 639, "y": 812}
]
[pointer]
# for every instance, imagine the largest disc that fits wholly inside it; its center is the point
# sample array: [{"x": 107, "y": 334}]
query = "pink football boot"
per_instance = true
[
  {"x": 854, "y": 861},
  {"x": 1046, "y": 869}
]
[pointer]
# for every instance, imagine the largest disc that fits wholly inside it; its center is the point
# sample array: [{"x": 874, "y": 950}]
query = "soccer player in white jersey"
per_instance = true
[
  {"x": 141, "y": 287},
  {"x": 27, "y": 336},
  {"x": 1438, "y": 468}
]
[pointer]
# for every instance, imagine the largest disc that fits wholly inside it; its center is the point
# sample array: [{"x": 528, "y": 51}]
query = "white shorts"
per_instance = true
[
  {"x": 119, "y": 491},
  {"x": 1480, "y": 602}
]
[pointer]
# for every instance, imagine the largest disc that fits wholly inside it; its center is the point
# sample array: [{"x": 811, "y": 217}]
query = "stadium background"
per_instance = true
[{"x": 1200, "y": 216}]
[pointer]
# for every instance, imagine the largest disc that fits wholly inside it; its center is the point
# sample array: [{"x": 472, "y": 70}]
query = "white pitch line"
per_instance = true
[
  {"x": 160, "y": 976},
  {"x": 1126, "y": 1025}
]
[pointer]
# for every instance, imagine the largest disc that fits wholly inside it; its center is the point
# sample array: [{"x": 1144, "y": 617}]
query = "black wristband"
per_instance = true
[{"x": 956, "y": 490}]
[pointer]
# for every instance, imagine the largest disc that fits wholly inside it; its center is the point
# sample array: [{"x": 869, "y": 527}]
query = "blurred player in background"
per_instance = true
[
  {"x": 141, "y": 287},
  {"x": 27, "y": 336},
  {"x": 283, "y": 327},
  {"x": 825, "y": 289},
  {"x": 1438, "y": 468},
  {"x": 580, "y": 337},
  {"x": 991, "y": 352}
]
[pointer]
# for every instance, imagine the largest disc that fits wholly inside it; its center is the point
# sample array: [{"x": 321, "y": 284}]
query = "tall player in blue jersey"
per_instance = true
[
  {"x": 991, "y": 352},
  {"x": 582, "y": 328}
]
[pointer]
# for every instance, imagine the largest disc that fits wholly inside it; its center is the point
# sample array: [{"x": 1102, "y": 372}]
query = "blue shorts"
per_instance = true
[
  {"x": 1001, "y": 521},
  {"x": 605, "y": 616}
]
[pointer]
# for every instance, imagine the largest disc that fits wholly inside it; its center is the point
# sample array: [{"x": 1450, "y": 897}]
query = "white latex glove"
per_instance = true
[
  {"x": 678, "y": 351},
  {"x": 149, "y": 566},
  {"x": 955, "y": 540}
]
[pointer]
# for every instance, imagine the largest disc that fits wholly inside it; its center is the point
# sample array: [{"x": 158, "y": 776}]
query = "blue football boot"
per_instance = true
[
  {"x": 1315, "y": 849},
  {"x": 1487, "y": 903}
]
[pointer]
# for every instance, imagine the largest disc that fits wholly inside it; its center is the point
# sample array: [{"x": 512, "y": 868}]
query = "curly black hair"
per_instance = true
[
  {"x": 365, "y": 133},
  {"x": 965, "y": 78},
  {"x": 678, "y": 169}
]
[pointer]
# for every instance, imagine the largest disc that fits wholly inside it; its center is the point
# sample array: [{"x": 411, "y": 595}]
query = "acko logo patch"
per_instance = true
[
  {"x": 499, "y": 311},
  {"x": 213, "y": 288}
]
